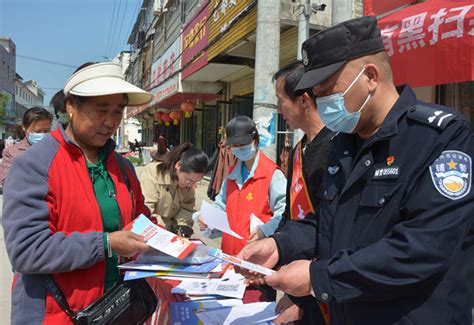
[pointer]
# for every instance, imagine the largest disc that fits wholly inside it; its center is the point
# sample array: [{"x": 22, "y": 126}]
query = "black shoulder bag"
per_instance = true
[{"x": 127, "y": 302}]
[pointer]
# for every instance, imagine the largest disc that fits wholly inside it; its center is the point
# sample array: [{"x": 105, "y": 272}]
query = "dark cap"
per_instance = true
[
  {"x": 327, "y": 51},
  {"x": 240, "y": 130}
]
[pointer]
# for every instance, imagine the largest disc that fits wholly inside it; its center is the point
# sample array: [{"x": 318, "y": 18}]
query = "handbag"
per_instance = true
[{"x": 127, "y": 302}]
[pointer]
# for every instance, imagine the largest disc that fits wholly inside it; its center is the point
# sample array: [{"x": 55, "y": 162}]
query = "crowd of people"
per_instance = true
[{"x": 372, "y": 223}]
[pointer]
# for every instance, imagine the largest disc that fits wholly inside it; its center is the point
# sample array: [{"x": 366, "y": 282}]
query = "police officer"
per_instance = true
[{"x": 395, "y": 237}]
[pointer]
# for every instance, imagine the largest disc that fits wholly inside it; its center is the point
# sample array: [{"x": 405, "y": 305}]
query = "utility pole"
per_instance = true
[
  {"x": 267, "y": 61},
  {"x": 303, "y": 34}
]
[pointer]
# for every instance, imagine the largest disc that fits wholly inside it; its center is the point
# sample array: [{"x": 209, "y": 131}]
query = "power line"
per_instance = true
[
  {"x": 121, "y": 28},
  {"x": 46, "y": 61},
  {"x": 114, "y": 31},
  {"x": 110, "y": 28},
  {"x": 137, "y": 8}
]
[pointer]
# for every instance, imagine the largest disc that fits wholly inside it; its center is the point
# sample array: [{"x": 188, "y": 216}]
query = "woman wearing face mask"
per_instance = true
[
  {"x": 168, "y": 187},
  {"x": 36, "y": 124},
  {"x": 255, "y": 185}
]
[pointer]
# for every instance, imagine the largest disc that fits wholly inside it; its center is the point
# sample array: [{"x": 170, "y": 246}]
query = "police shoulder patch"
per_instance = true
[
  {"x": 451, "y": 173},
  {"x": 431, "y": 116}
]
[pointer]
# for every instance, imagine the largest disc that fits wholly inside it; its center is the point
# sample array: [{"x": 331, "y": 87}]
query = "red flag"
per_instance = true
[
  {"x": 378, "y": 7},
  {"x": 431, "y": 43}
]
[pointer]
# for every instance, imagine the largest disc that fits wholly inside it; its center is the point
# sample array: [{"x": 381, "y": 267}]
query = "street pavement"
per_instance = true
[{"x": 6, "y": 277}]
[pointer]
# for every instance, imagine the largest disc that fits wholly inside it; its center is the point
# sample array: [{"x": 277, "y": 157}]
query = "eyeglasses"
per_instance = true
[{"x": 189, "y": 180}]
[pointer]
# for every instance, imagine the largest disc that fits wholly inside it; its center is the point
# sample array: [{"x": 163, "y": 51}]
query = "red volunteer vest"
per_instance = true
[
  {"x": 300, "y": 201},
  {"x": 251, "y": 198}
]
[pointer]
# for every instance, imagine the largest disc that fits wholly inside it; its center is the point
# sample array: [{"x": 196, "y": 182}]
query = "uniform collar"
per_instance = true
[{"x": 389, "y": 126}]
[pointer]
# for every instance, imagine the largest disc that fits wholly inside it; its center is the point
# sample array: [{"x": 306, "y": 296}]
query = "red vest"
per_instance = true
[
  {"x": 251, "y": 198},
  {"x": 300, "y": 201}
]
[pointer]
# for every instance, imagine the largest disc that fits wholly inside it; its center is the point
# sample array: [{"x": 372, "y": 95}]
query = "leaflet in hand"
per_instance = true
[
  {"x": 217, "y": 253},
  {"x": 215, "y": 218},
  {"x": 161, "y": 239}
]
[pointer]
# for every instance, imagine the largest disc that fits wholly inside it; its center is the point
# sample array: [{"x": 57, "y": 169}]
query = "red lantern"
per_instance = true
[
  {"x": 158, "y": 117},
  {"x": 187, "y": 107},
  {"x": 166, "y": 118},
  {"x": 175, "y": 116}
]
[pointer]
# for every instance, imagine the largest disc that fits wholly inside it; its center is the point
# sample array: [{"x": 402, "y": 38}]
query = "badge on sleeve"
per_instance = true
[{"x": 451, "y": 174}]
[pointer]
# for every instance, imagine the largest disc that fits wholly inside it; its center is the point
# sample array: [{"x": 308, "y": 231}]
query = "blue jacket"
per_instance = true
[{"x": 395, "y": 235}]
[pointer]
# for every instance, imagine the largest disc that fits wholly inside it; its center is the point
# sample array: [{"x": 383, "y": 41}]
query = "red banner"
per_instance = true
[
  {"x": 195, "y": 38},
  {"x": 379, "y": 7},
  {"x": 431, "y": 43}
]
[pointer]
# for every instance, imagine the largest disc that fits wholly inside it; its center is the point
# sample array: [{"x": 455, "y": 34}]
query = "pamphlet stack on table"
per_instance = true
[{"x": 204, "y": 277}]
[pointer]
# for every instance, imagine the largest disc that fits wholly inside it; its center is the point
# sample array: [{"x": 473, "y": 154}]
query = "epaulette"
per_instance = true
[{"x": 431, "y": 116}]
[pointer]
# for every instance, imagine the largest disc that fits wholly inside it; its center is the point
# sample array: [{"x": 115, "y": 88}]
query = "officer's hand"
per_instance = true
[
  {"x": 127, "y": 243},
  {"x": 288, "y": 311},
  {"x": 263, "y": 252},
  {"x": 293, "y": 279}
]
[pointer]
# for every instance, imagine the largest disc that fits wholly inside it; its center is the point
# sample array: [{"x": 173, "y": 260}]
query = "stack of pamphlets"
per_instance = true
[{"x": 207, "y": 279}]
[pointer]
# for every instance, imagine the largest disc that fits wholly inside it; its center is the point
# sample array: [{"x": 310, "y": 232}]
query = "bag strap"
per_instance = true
[
  {"x": 52, "y": 287},
  {"x": 58, "y": 296}
]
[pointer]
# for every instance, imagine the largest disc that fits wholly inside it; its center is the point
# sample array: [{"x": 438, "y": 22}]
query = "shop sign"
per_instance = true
[
  {"x": 166, "y": 66},
  {"x": 195, "y": 39}
]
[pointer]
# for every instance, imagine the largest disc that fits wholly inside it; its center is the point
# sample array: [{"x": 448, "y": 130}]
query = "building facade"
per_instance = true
[{"x": 7, "y": 85}]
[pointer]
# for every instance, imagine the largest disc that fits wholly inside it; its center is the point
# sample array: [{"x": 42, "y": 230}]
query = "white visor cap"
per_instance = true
[{"x": 102, "y": 79}]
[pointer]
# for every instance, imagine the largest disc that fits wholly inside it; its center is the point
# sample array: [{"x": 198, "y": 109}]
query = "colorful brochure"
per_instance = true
[
  {"x": 217, "y": 253},
  {"x": 231, "y": 285},
  {"x": 161, "y": 239},
  {"x": 184, "y": 313},
  {"x": 253, "y": 313}
]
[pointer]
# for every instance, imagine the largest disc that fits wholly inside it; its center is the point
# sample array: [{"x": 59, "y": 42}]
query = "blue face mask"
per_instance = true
[
  {"x": 334, "y": 114},
  {"x": 35, "y": 137},
  {"x": 244, "y": 153}
]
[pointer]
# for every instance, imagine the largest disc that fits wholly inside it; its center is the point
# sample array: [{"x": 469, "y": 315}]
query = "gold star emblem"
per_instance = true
[
  {"x": 249, "y": 196},
  {"x": 452, "y": 164}
]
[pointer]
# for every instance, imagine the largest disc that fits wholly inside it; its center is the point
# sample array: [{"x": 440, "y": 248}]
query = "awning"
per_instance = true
[{"x": 431, "y": 43}]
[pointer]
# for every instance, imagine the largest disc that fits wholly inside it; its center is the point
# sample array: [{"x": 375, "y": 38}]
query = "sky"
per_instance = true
[{"x": 68, "y": 32}]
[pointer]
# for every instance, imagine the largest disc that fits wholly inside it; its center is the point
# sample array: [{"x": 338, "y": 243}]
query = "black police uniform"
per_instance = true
[{"x": 395, "y": 238}]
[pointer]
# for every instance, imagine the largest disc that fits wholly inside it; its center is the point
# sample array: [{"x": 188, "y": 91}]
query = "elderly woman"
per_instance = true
[
  {"x": 36, "y": 124},
  {"x": 168, "y": 187},
  {"x": 67, "y": 198}
]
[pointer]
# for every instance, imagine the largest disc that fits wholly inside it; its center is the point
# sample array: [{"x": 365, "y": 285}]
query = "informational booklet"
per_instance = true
[
  {"x": 217, "y": 253},
  {"x": 215, "y": 218},
  {"x": 184, "y": 313},
  {"x": 143, "y": 270},
  {"x": 161, "y": 239},
  {"x": 230, "y": 285},
  {"x": 254, "y": 313}
]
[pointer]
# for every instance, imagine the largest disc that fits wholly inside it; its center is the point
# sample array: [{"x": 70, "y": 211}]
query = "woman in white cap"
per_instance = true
[{"x": 69, "y": 196}]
